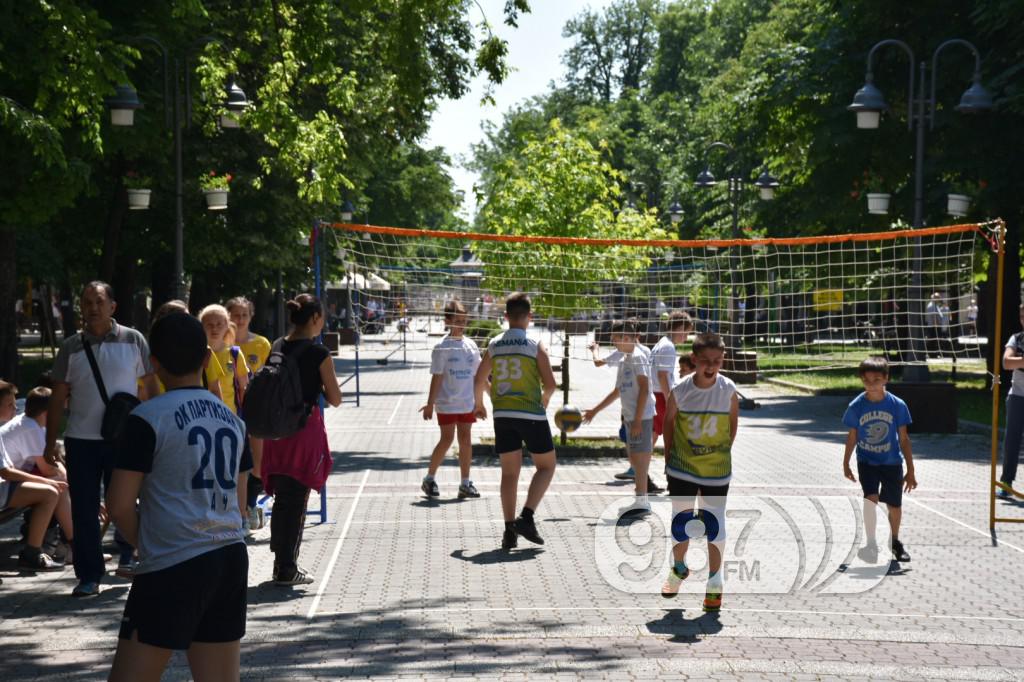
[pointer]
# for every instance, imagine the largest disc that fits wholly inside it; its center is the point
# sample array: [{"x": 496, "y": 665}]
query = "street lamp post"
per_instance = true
[
  {"x": 868, "y": 104},
  {"x": 735, "y": 183},
  {"x": 122, "y": 109}
]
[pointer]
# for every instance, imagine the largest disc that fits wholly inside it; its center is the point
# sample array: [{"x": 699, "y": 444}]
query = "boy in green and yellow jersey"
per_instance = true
[
  {"x": 522, "y": 383},
  {"x": 700, "y": 426}
]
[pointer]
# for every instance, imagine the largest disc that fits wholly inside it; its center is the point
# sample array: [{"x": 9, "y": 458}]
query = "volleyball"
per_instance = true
[{"x": 568, "y": 418}]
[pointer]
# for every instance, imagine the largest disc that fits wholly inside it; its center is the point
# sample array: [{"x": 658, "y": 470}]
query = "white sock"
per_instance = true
[
  {"x": 466, "y": 481},
  {"x": 716, "y": 580},
  {"x": 428, "y": 478}
]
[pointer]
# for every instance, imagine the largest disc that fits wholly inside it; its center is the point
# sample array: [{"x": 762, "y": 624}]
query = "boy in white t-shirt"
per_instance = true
[
  {"x": 663, "y": 359},
  {"x": 453, "y": 365},
  {"x": 634, "y": 388},
  {"x": 24, "y": 437}
]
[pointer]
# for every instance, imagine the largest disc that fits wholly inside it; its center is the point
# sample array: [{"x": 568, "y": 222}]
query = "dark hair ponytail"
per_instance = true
[{"x": 303, "y": 307}]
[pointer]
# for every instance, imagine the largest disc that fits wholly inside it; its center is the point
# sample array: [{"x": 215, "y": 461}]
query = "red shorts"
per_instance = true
[
  {"x": 446, "y": 419},
  {"x": 659, "y": 414}
]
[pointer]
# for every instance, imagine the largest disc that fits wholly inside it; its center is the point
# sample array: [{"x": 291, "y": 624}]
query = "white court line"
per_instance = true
[
  {"x": 395, "y": 411},
  {"x": 961, "y": 523},
  {"x": 497, "y": 609},
  {"x": 337, "y": 549}
]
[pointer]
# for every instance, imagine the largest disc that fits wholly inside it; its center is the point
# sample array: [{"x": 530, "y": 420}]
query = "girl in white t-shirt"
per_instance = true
[{"x": 453, "y": 365}]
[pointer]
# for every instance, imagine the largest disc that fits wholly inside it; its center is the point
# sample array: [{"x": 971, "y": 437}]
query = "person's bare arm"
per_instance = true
[
  {"x": 150, "y": 388},
  {"x": 243, "y": 493},
  {"x": 664, "y": 382},
  {"x": 480, "y": 382},
  {"x": 643, "y": 383},
  {"x": 851, "y": 443},
  {"x": 734, "y": 418},
  {"x": 435, "y": 386},
  {"x": 910, "y": 478},
  {"x": 547, "y": 376},
  {"x": 1011, "y": 360},
  {"x": 20, "y": 476},
  {"x": 121, "y": 498},
  {"x": 330, "y": 381},
  {"x": 595, "y": 349},
  {"x": 54, "y": 416}
]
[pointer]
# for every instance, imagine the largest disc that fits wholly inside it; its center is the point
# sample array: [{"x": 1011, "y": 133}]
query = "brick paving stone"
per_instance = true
[{"x": 419, "y": 590}]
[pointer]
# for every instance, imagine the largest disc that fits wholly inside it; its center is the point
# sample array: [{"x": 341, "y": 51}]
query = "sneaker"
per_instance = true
[
  {"x": 528, "y": 529},
  {"x": 1002, "y": 493},
  {"x": 639, "y": 507},
  {"x": 300, "y": 578},
  {"x": 898, "y": 552},
  {"x": 86, "y": 590},
  {"x": 126, "y": 570},
  {"x": 429, "y": 488},
  {"x": 713, "y": 600},
  {"x": 868, "y": 553},
  {"x": 255, "y": 522},
  {"x": 627, "y": 475},
  {"x": 672, "y": 583},
  {"x": 509, "y": 539},
  {"x": 35, "y": 559},
  {"x": 467, "y": 489},
  {"x": 653, "y": 488}
]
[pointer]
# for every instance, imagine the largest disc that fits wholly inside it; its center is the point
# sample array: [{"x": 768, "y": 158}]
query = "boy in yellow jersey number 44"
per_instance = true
[
  {"x": 521, "y": 386},
  {"x": 700, "y": 426}
]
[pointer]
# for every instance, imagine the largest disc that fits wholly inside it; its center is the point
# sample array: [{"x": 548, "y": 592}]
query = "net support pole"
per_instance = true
[{"x": 994, "y": 344}]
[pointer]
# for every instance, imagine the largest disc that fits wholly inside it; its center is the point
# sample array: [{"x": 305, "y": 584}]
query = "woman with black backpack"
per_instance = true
[{"x": 294, "y": 465}]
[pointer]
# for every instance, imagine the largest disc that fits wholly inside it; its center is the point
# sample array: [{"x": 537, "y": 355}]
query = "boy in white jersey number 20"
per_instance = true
[{"x": 181, "y": 456}]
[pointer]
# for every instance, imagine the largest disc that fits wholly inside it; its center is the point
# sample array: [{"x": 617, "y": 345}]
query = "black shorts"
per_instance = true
[
  {"x": 199, "y": 600},
  {"x": 677, "y": 487},
  {"x": 510, "y": 433},
  {"x": 888, "y": 477}
]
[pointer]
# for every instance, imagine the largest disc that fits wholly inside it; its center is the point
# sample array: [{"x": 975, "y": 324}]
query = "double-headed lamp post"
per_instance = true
[
  {"x": 868, "y": 104},
  {"x": 765, "y": 184},
  {"x": 122, "y": 113}
]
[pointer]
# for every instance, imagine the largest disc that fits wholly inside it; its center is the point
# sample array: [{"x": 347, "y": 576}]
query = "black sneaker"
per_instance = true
[
  {"x": 509, "y": 539},
  {"x": 898, "y": 552},
  {"x": 429, "y": 488},
  {"x": 653, "y": 488},
  {"x": 528, "y": 529}
]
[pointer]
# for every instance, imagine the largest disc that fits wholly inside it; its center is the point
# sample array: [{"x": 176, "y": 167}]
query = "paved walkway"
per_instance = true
[{"x": 413, "y": 588}]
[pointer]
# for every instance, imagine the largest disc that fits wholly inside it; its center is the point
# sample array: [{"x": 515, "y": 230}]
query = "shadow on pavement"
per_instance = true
[
  {"x": 498, "y": 556},
  {"x": 685, "y": 631}
]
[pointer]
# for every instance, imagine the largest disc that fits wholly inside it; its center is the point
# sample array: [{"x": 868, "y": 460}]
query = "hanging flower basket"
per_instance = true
[
  {"x": 957, "y": 205},
  {"x": 216, "y": 199},
  {"x": 138, "y": 199},
  {"x": 878, "y": 204}
]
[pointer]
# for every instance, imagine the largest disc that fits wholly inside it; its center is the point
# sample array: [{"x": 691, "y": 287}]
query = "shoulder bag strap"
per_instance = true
[{"x": 95, "y": 370}]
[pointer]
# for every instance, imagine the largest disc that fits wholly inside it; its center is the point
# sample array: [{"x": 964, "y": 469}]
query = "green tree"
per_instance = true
[{"x": 561, "y": 186}]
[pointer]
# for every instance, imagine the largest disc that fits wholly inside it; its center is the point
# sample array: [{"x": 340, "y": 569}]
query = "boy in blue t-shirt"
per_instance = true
[{"x": 878, "y": 429}]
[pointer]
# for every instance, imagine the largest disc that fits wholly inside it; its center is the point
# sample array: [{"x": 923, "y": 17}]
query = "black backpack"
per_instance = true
[{"x": 274, "y": 406}]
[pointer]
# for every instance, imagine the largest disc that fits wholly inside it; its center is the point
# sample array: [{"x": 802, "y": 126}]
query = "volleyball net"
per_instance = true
[{"x": 801, "y": 304}]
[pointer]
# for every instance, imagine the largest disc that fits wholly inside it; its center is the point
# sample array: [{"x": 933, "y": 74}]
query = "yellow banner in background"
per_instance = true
[{"x": 828, "y": 300}]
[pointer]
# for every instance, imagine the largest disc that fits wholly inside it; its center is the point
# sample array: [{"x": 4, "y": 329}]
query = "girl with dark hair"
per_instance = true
[{"x": 294, "y": 465}]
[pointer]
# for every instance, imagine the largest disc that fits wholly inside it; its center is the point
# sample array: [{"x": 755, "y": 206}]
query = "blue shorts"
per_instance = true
[{"x": 884, "y": 480}]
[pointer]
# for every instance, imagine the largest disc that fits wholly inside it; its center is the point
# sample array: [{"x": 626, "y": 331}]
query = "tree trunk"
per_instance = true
[{"x": 8, "y": 296}]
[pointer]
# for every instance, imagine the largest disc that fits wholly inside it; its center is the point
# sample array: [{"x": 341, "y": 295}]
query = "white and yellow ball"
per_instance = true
[{"x": 568, "y": 418}]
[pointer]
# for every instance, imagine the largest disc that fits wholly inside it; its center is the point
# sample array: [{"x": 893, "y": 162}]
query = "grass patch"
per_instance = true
[{"x": 974, "y": 401}]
